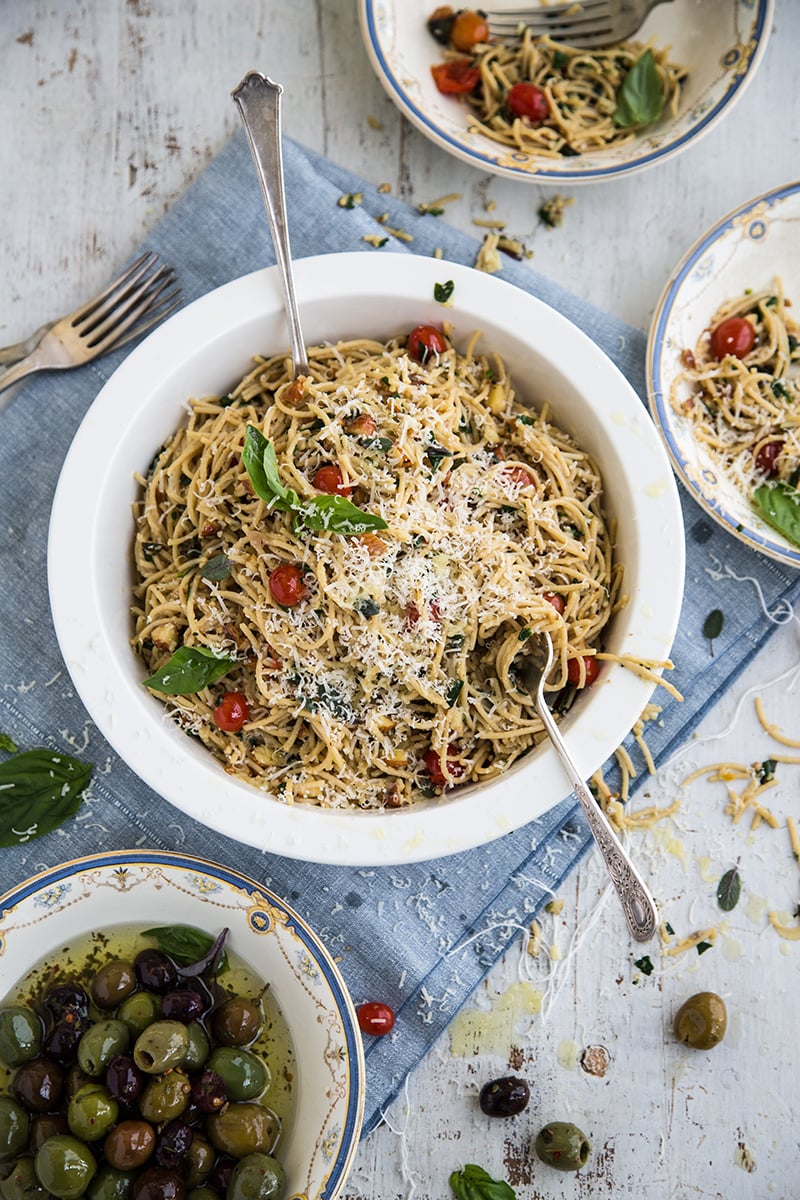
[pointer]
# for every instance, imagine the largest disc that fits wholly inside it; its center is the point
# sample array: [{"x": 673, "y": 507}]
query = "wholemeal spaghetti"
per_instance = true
[{"x": 392, "y": 676}]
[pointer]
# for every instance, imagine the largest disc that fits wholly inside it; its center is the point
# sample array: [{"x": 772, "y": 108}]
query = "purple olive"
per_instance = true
[
  {"x": 124, "y": 1080},
  {"x": 173, "y": 1143},
  {"x": 67, "y": 998},
  {"x": 158, "y": 1183},
  {"x": 208, "y": 1092},
  {"x": 184, "y": 1004},
  {"x": 155, "y": 971},
  {"x": 61, "y": 1042},
  {"x": 221, "y": 1173},
  {"x": 504, "y": 1097}
]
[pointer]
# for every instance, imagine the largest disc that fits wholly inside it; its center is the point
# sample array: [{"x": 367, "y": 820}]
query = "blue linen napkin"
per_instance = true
[{"x": 418, "y": 937}]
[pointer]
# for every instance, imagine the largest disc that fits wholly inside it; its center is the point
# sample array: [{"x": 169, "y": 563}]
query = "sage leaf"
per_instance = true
[
  {"x": 8, "y": 744},
  {"x": 779, "y": 505},
  {"x": 640, "y": 99},
  {"x": 188, "y": 670},
  {"x": 39, "y": 789},
  {"x": 473, "y": 1183},
  {"x": 443, "y": 292},
  {"x": 187, "y": 946},
  {"x": 712, "y": 626},
  {"x": 729, "y": 889},
  {"x": 217, "y": 568}
]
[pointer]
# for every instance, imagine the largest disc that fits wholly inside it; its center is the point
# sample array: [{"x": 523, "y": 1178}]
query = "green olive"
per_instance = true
[
  {"x": 165, "y": 1097},
  {"x": 199, "y": 1161},
  {"x": 256, "y": 1177},
  {"x": 199, "y": 1047},
  {"x": 113, "y": 983},
  {"x": 237, "y": 1022},
  {"x": 65, "y": 1167},
  {"x": 563, "y": 1146},
  {"x": 163, "y": 1045},
  {"x": 111, "y": 1184},
  {"x": 140, "y": 1010},
  {"x": 20, "y": 1035},
  {"x": 102, "y": 1041},
  {"x": 14, "y": 1127},
  {"x": 242, "y": 1129},
  {"x": 22, "y": 1183},
  {"x": 244, "y": 1074},
  {"x": 92, "y": 1111},
  {"x": 701, "y": 1021}
]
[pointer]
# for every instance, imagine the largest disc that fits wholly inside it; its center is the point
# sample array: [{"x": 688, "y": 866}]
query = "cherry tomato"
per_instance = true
[
  {"x": 375, "y": 1018},
  {"x": 434, "y": 767},
  {"x": 286, "y": 585},
  {"x": 766, "y": 459},
  {"x": 735, "y": 336},
  {"x": 591, "y": 669},
  {"x": 468, "y": 28},
  {"x": 528, "y": 100},
  {"x": 329, "y": 479},
  {"x": 455, "y": 77},
  {"x": 231, "y": 712},
  {"x": 425, "y": 340},
  {"x": 556, "y": 601}
]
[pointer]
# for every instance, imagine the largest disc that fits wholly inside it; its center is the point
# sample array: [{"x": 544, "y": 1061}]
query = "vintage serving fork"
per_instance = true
[
  {"x": 637, "y": 904},
  {"x": 131, "y": 304},
  {"x": 586, "y": 24}
]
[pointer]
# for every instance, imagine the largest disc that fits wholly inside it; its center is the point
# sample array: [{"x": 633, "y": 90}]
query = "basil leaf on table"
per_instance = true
[
  {"x": 188, "y": 670},
  {"x": 331, "y": 514},
  {"x": 184, "y": 943},
  {"x": 729, "y": 889},
  {"x": 779, "y": 505},
  {"x": 473, "y": 1183},
  {"x": 640, "y": 99},
  {"x": 39, "y": 789}
]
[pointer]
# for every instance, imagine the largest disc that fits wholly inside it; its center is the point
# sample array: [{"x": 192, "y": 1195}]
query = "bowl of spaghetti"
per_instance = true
[
  {"x": 723, "y": 364},
  {"x": 327, "y": 580},
  {"x": 539, "y": 110}
]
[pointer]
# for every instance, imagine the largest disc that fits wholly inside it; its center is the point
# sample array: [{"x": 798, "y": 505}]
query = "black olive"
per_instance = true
[
  {"x": 184, "y": 1004},
  {"x": 173, "y": 1143},
  {"x": 67, "y": 998},
  {"x": 208, "y": 1092},
  {"x": 124, "y": 1080},
  {"x": 440, "y": 25},
  {"x": 61, "y": 1042},
  {"x": 504, "y": 1097},
  {"x": 38, "y": 1084},
  {"x": 155, "y": 971},
  {"x": 221, "y": 1173}
]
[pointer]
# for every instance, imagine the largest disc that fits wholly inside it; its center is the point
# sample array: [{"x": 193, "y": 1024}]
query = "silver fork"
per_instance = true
[
  {"x": 586, "y": 24},
  {"x": 131, "y": 304},
  {"x": 637, "y": 904}
]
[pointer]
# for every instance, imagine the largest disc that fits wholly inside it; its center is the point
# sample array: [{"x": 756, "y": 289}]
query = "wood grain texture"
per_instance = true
[{"x": 109, "y": 110}]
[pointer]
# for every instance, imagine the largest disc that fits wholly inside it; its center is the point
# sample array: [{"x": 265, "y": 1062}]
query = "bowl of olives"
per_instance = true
[{"x": 178, "y": 1033}]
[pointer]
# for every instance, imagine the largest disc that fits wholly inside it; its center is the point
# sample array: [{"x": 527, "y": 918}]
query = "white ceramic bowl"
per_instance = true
[
  {"x": 203, "y": 350},
  {"x": 142, "y": 887},
  {"x": 746, "y": 249},
  {"x": 720, "y": 41}
]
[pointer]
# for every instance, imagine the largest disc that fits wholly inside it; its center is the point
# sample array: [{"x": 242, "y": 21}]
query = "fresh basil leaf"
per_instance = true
[
  {"x": 453, "y": 691},
  {"x": 473, "y": 1183},
  {"x": 188, "y": 670},
  {"x": 184, "y": 944},
  {"x": 376, "y": 443},
  {"x": 39, "y": 789},
  {"x": 443, "y": 291},
  {"x": 217, "y": 568},
  {"x": 712, "y": 626},
  {"x": 335, "y": 514},
  {"x": 779, "y": 505},
  {"x": 261, "y": 465},
  {"x": 703, "y": 946},
  {"x": 640, "y": 99},
  {"x": 767, "y": 771},
  {"x": 645, "y": 964},
  {"x": 729, "y": 889},
  {"x": 8, "y": 744}
]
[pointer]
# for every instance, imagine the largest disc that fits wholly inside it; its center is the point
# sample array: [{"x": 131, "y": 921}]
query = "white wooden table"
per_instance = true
[{"x": 109, "y": 111}]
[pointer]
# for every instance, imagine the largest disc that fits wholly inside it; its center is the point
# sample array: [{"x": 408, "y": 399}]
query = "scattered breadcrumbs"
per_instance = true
[
  {"x": 704, "y": 937},
  {"x": 400, "y": 234},
  {"x": 384, "y": 187},
  {"x": 491, "y": 224},
  {"x": 551, "y": 213},
  {"x": 438, "y": 252},
  {"x": 375, "y": 239},
  {"x": 535, "y": 939},
  {"x": 350, "y": 199},
  {"x": 488, "y": 257},
  {"x": 373, "y": 122},
  {"x": 554, "y": 907}
]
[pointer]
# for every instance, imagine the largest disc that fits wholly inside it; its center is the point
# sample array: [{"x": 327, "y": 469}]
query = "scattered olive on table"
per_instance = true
[
  {"x": 563, "y": 1145},
  {"x": 504, "y": 1097},
  {"x": 701, "y": 1021}
]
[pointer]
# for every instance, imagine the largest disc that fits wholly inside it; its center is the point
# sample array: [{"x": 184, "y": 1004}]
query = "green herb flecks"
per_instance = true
[
  {"x": 453, "y": 691},
  {"x": 703, "y": 946},
  {"x": 443, "y": 292},
  {"x": 641, "y": 98},
  {"x": 330, "y": 514},
  {"x": 779, "y": 505},
  {"x": 217, "y": 568},
  {"x": 189, "y": 670},
  {"x": 729, "y": 889},
  {"x": 7, "y": 744},
  {"x": 712, "y": 627},
  {"x": 780, "y": 391},
  {"x": 184, "y": 944},
  {"x": 473, "y": 1183},
  {"x": 525, "y": 633},
  {"x": 39, "y": 789},
  {"x": 766, "y": 770},
  {"x": 366, "y": 606},
  {"x": 645, "y": 965}
]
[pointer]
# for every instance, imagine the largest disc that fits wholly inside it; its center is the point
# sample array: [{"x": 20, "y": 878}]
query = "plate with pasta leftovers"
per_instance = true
[
  {"x": 723, "y": 364},
  {"x": 543, "y": 111},
  {"x": 305, "y": 599}
]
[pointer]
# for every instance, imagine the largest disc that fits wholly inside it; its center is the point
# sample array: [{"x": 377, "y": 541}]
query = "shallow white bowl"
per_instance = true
[
  {"x": 720, "y": 41},
  {"x": 207, "y": 347},
  {"x": 747, "y": 248},
  {"x": 143, "y": 887}
]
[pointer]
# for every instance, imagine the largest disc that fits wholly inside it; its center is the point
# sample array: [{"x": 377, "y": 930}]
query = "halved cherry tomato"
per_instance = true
[
  {"x": 735, "y": 336},
  {"x": 375, "y": 1018},
  {"x": 455, "y": 77},
  {"x": 329, "y": 479},
  {"x": 528, "y": 100},
  {"x": 231, "y": 712},
  {"x": 468, "y": 28},
  {"x": 556, "y": 601},
  {"x": 434, "y": 767},
  {"x": 425, "y": 340},
  {"x": 286, "y": 585},
  {"x": 767, "y": 458},
  {"x": 591, "y": 670}
]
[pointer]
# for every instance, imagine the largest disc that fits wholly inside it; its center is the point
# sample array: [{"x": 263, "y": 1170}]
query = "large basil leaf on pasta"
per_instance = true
[
  {"x": 640, "y": 99},
  {"x": 335, "y": 514},
  {"x": 261, "y": 465},
  {"x": 779, "y": 505},
  {"x": 39, "y": 789},
  {"x": 188, "y": 670}
]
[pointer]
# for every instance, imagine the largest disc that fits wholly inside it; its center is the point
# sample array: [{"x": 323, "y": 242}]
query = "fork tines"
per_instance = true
[
  {"x": 587, "y": 21},
  {"x": 130, "y": 305}
]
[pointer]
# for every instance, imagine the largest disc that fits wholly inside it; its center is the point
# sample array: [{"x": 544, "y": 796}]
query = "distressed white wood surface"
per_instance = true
[{"x": 109, "y": 110}]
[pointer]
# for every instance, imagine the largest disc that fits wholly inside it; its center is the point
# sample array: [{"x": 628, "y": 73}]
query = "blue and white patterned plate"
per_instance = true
[
  {"x": 720, "y": 42},
  {"x": 133, "y": 887},
  {"x": 746, "y": 249}
]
